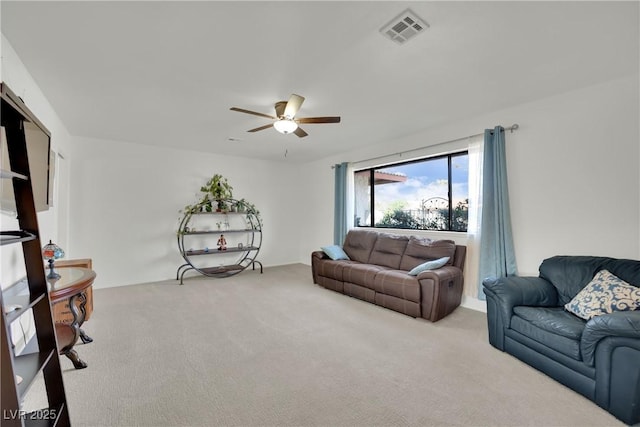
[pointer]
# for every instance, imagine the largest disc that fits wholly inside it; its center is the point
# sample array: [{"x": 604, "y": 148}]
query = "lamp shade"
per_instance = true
[
  {"x": 285, "y": 126},
  {"x": 52, "y": 251}
]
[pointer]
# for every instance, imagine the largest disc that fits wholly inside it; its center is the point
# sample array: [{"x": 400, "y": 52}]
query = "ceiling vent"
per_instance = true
[{"x": 404, "y": 27}]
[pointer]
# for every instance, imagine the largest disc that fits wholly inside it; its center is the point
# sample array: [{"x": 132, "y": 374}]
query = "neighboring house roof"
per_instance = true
[{"x": 381, "y": 177}]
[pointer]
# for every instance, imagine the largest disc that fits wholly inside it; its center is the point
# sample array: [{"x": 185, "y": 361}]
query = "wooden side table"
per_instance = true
[
  {"x": 61, "y": 311},
  {"x": 71, "y": 286}
]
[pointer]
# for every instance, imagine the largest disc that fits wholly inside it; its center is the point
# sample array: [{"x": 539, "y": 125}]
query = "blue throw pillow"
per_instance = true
[
  {"x": 334, "y": 252},
  {"x": 429, "y": 265}
]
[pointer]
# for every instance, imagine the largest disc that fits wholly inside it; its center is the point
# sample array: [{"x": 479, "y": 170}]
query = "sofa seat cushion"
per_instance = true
[
  {"x": 397, "y": 283},
  {"x": 550, "y": 326},
  {"x": 361, "y": 274},
  {"x": 553, "y": 319}
]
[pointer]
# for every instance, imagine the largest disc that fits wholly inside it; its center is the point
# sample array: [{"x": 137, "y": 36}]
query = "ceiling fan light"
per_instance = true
[{"x": 285, "y": 126}]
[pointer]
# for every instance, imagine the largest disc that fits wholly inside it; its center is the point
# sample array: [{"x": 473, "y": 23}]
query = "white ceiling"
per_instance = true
[{"x": 166, "y": 73}]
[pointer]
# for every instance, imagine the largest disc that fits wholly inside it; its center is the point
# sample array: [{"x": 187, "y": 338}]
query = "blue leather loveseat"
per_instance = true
[{"x": 599, "y": 358}]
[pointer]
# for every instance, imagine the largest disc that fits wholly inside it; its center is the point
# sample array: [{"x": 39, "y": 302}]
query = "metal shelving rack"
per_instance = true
[{"x": 247, "y": 228}]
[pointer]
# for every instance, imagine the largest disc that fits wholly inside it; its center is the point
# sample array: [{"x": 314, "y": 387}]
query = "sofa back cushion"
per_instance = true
[
  {"x": 388, "y": 250},
  {"x": 359, "y": 243},
  {"x": 420, "y": 250},
  {"x": 569, "y": 274}
]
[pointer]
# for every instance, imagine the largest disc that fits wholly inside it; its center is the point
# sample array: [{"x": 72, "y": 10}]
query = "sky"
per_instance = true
[{"x": 424, "y": 181}]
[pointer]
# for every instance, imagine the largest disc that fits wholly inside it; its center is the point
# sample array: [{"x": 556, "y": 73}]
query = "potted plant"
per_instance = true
[
  {"x": 219, "y": 189},
  {"x": 253, "y": 211},
  {"x": 205, "y": 205},
  {"x": 241, "y": 205}
]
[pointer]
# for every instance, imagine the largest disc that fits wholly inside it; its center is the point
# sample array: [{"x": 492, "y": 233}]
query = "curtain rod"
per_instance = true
[{"x": 511, "y": 128}]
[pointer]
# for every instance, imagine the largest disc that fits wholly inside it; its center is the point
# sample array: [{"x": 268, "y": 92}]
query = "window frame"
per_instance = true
[{"x": 451, "y": 207}]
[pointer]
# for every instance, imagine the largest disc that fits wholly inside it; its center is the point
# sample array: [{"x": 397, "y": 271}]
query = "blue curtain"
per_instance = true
[
  {"x": 340, "y": 203},
  {"x": 497, "y": 256}
]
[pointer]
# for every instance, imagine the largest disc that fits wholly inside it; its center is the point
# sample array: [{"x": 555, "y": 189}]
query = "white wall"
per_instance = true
[
  {"x": 573, "y": 174},
  {"x": 573, "y": 170},
  {"x": 126, "y": 199},
  {"x": 53, "y": 222},
  {"x": 576, "y": 175}
]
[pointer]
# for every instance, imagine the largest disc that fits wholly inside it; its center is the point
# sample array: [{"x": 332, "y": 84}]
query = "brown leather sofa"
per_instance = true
[{"x": 377, "y": 272}]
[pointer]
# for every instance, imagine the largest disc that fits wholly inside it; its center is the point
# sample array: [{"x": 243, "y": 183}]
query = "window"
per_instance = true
[{"x": 426, "y": 194}]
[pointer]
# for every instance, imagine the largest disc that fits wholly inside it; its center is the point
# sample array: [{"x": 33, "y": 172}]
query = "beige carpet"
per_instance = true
[{"x": 277, "y": 350}]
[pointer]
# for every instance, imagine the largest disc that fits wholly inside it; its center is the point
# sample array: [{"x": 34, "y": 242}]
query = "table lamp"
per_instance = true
[{"x": 52, "y": 252}]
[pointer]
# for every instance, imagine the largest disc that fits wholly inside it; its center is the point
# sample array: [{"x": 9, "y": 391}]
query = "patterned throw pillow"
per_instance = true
[{"x": 605, "y": 294}]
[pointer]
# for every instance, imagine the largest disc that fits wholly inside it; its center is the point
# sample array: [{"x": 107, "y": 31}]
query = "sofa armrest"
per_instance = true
[
  {"x": 504, "y": 293},
  {"x": 513, "y": 291},
  {"x": 440, "y": 291},
  {"x": 617, "y": 374},
  {"x": 319, "y": 254},
  {"x": 625, "y": 324},
  {"x": 316, "y": 255},
  {"x": 443, "y": 273}
]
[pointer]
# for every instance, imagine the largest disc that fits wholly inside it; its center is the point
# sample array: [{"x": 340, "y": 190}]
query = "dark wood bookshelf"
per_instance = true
[{"x": 44, "y": 358}]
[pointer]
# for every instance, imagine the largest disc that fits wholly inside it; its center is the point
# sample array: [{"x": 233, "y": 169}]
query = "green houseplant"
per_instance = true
[
  {"x": 217, "y": 189},
  {"x": 241, "y": 205},
  {"x": 253, "y": 211},
  {"x": 219, "y": 193}
]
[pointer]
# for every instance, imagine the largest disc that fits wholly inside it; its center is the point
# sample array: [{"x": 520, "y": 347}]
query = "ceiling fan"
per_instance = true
[{"x": 285, "y": 118}]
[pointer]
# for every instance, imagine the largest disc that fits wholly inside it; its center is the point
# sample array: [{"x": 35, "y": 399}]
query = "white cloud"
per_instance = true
[{"x": 414, "y": 191}]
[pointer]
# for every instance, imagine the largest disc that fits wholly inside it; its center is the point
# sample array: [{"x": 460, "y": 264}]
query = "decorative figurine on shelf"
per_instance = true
[
  {"x": 52, "y": 252},
  {"x": 222, "y": 243}
]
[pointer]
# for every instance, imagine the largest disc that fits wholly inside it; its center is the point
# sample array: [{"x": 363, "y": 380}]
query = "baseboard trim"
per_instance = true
[{"x": 474, "y": 304}]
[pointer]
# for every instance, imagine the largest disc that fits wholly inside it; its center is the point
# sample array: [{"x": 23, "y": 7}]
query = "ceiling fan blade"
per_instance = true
[
  {"x": 293, "y": 105},
  {"x": 301, "y": 133},
  {"x": 261, "y": 128},
  {"x": 335, "y": 119},
  {"x": 242, "y": 110}
]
